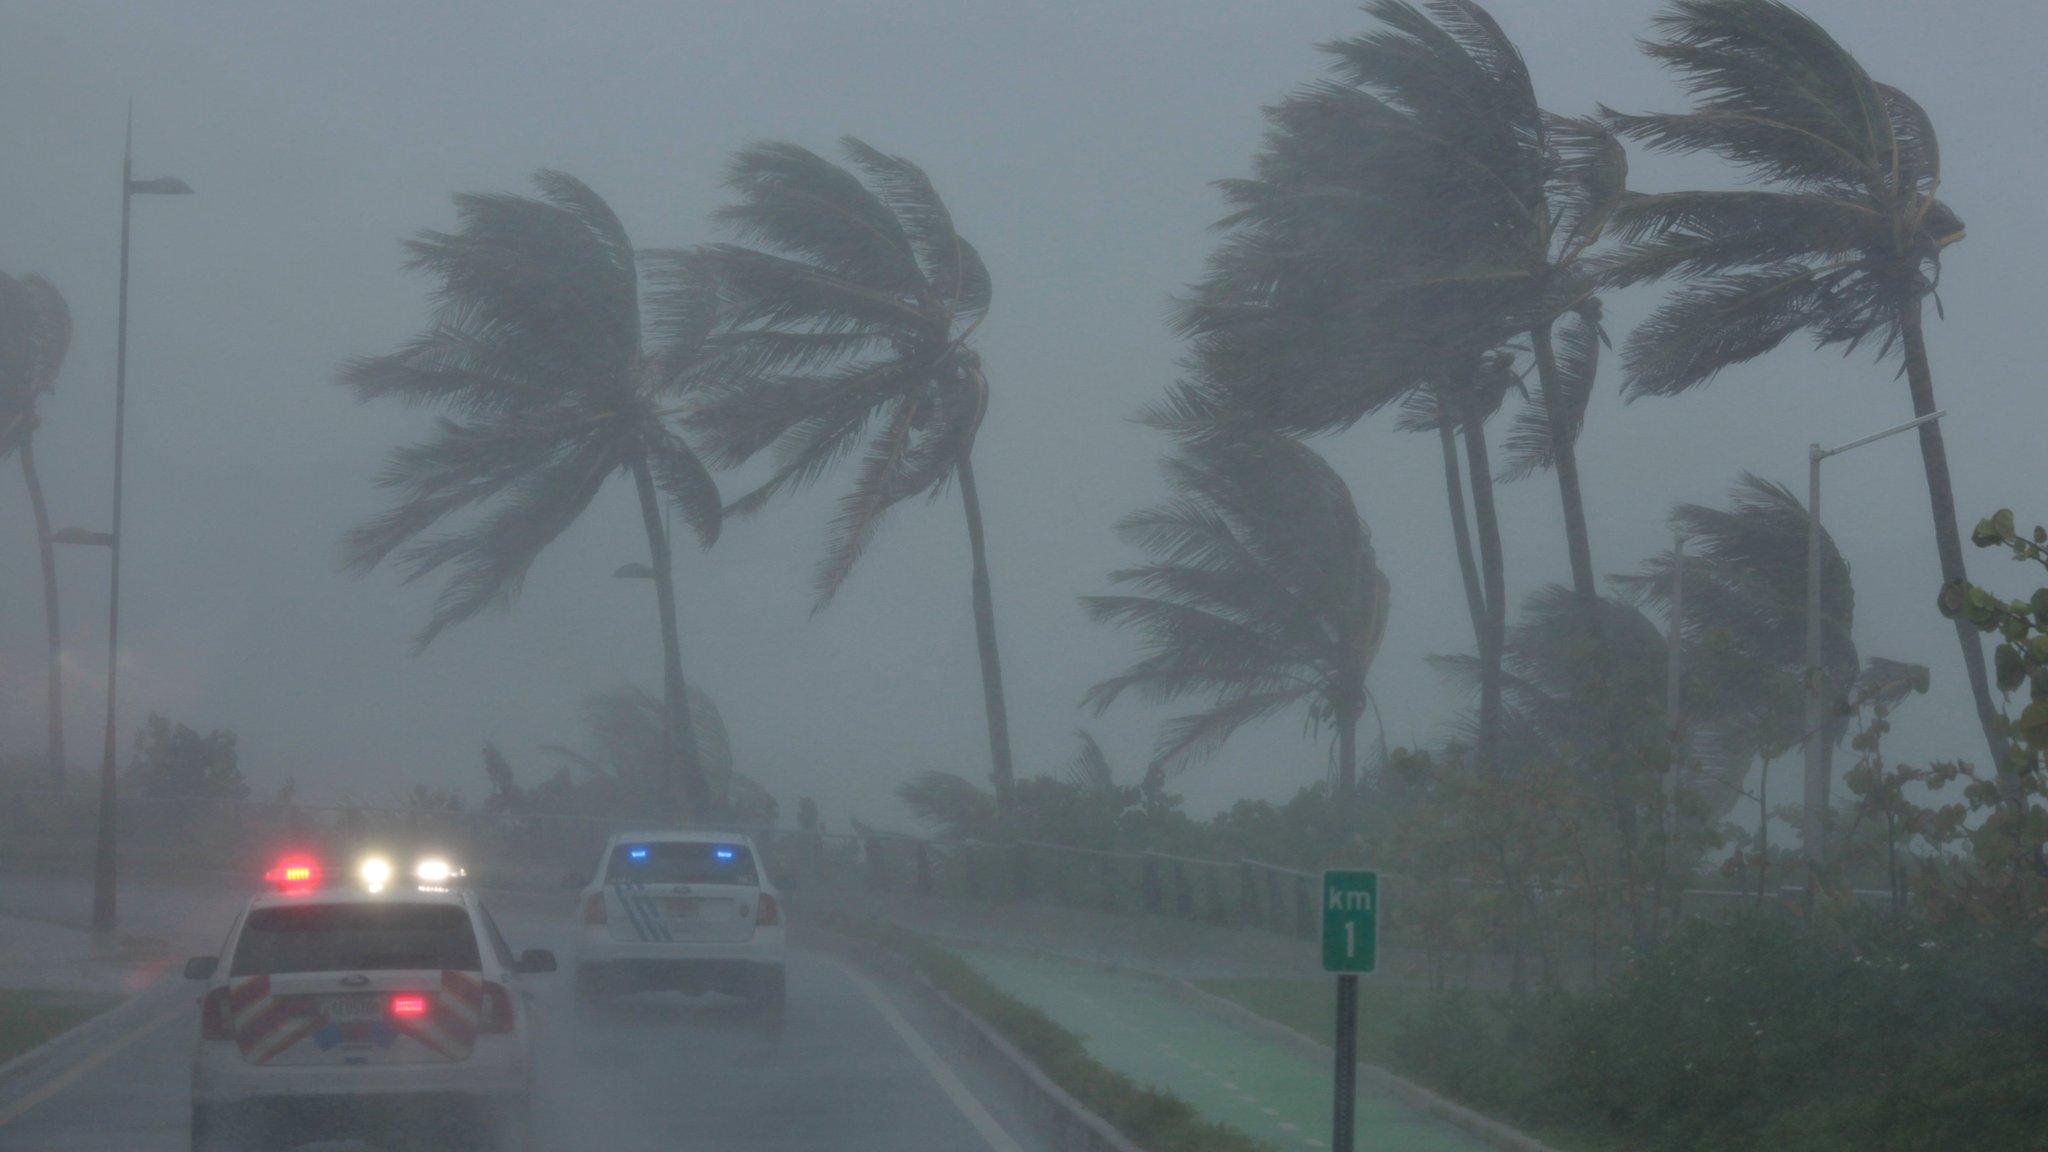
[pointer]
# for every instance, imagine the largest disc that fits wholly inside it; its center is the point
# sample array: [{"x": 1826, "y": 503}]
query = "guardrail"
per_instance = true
[{"x": 1445, "y": 920}]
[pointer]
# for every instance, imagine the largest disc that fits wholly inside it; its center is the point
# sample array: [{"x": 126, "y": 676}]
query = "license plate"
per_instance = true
[
  {"x": 680, "y": 906},
  {"x": 352, "y": 1009}
]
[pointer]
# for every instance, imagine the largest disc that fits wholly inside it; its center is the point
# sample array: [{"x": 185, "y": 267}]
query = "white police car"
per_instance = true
[
  {"x": 390, "y": 1012},
  {"x": 681, "y": 911}
]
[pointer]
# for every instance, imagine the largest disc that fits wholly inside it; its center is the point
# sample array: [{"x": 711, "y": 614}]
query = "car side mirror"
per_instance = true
[
  {"x": 201, "y": 967},
  {"x": 572, "y": 880},
  {"x": 536, "y": 960}
]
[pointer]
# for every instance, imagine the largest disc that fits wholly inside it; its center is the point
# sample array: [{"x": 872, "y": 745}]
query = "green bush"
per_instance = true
[{"x": 1767, "y": 1032}]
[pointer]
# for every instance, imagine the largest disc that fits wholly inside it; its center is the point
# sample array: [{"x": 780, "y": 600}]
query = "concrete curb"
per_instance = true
[
  {"x": 1068, "y": 1123},
  {"x": 85, "y": 1034},
  {"x": 1486, "y": 1128}
]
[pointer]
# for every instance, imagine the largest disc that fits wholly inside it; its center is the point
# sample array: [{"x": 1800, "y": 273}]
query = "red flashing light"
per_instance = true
[
  {"x": 294, "y": 874},
  {"x": 408, "y": 1005}
]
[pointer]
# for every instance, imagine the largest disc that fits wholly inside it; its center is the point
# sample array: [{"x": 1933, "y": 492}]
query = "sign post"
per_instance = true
[{"x": 1351, "y": 939}]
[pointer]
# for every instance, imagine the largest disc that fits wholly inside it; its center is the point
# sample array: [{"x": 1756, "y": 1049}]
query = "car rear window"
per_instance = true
[
  {"x": 355, "y": 938},
  {"x": 674, "y": 862}
]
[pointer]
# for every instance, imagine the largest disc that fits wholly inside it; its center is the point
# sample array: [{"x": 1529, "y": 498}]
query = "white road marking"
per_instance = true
[
  {"x": 71, "y": 1076},
  {"x": 964, "y": 1100}
]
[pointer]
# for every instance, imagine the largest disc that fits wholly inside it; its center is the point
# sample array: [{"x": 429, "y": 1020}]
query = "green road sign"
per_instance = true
[{"x": 1351, "y": 920}]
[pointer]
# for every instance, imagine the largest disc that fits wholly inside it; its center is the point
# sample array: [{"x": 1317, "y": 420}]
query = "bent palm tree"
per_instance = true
[
  {"x": 1844, "y": 244},
  {"x": 35, "y": 335},
  {"x": 1745, "y": 610},
  {"x": 1261, "y": 595},
  {"x": 535, "y": 357},
  {"x": 1418, "y": 207},
  {"x": 848, "y": 325}
]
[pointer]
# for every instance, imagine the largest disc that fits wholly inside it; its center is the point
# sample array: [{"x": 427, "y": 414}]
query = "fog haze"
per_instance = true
[{"x": 1075, "y": 144}]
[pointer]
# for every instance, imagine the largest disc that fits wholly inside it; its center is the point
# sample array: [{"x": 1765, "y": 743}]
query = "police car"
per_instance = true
[
  {"x": 389, "y": 1011},
  {"x": 681, "y": 911}
]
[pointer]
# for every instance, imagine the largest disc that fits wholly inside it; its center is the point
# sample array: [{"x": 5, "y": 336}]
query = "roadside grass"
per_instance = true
[
  {"x": 30, "y": 1016},
  {"x": 1153, "y": 1120},
  {"x": 1386, "y": 1013},
  {"x": 1310, "y": 1008}
]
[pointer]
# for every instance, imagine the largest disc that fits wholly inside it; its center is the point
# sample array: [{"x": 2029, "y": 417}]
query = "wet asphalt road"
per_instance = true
[{"x": 854, "y": 1065}]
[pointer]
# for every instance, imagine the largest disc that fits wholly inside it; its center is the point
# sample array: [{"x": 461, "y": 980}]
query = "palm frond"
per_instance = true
[
  {"x": 950, "y": 804},
  {"x": 1089, "y": 769},
  {"x": 1713, "y": 323}
]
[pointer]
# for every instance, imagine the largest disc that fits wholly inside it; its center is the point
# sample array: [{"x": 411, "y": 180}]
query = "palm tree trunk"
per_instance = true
[
  {"x": 1565, "y": 454},
  {"x": 1494, "y": 568},
  {"x": 49, "y": 557},
  {"x": 1948, "y": 541},
  {"x": 985, "y": 639},
  {"x": 1347, "y": 756},
  {"x": 678, "y": 730},
  {"x": 1468, "y": 567},
  {"x": 1763, "y": 831}
]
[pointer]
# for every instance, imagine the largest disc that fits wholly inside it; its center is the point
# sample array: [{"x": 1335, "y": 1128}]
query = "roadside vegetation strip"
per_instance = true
[
  {"x": 1154, "y": 1120},
  {"x": 31, "y": 1017}
]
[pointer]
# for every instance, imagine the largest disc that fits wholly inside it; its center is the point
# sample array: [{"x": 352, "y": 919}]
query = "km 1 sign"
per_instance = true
[{"x": 1351, "y": 921}]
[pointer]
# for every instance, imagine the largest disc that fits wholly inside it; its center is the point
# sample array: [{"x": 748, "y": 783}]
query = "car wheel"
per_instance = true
[
  {"x": 512, "y": 1128},
  {"x": 772, "y": 992},
  {"x": 589, "y": 992},
  {"x": 216, "y": 1130}
]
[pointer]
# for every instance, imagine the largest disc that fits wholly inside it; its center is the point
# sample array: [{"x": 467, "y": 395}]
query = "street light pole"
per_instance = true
[
  {"x": 1814, "y": 798},
  {"x": 103, "y": 850}
]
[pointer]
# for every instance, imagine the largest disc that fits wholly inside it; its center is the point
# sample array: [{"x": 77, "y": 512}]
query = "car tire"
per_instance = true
[
  {"x": 589, "y": 992},
  {"x": 216, "y": 1129},
  {"x": 772, "y": 992},
  {"x": 512, "y": 1127}
]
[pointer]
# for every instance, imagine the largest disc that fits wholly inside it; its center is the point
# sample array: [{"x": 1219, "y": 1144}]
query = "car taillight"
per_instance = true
[
  {"x": 593, "y": 908},
  {"x": 213, "y": 1016},
  {"x": 768, "y": 913},
  {"x": 497, "y": 1010},
  {"x": 408, "y": 1004}
]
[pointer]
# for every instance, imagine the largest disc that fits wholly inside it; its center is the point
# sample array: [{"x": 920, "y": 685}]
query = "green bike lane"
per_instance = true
[{"x": 1275, "y": 1093}]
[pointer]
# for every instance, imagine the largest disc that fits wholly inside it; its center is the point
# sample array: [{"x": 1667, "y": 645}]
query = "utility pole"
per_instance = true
[
  {"x": 1818, "y": 745},
  {"x": 103, "y": 873}
]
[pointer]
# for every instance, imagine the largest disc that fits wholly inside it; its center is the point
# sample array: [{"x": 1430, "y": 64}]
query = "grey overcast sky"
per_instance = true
[{"x": 1075, "y": 142}]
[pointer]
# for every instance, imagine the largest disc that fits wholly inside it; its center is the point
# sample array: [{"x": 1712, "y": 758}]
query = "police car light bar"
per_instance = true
[{"x": 294, "y": 873}]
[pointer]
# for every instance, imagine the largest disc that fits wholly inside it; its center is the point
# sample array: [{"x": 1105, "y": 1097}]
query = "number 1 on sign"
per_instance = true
[{"x": 1351, "y": 938}]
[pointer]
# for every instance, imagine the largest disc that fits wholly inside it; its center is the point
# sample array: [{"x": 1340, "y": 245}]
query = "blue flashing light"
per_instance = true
[
  {"x": 637, "y": 852},
  {"x": 723, "y": 853}
]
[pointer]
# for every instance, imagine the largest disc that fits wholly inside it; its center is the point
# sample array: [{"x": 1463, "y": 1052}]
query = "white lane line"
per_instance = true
[
  {"x": 964, "y": 1100},
  {"x": 14, "y": 1111}
]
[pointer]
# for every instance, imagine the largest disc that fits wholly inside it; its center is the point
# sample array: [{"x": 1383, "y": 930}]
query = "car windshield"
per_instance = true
[
  {"x": 355, "y": 938},
  {"x": 681, "y": 862}
]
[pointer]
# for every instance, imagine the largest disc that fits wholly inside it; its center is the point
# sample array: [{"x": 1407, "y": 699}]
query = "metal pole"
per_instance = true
[
  {"x": 1814, "y": 798},
  {"x": 1342, "y": 1120},
  {"x": 103, "y": 853},
  {"x": 1814, "y": 793},
  {"x": 1674, "y": 661},
  {"x": 1674, "y": 670}
]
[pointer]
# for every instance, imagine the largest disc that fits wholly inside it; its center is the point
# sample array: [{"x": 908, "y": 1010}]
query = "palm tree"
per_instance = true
[
  {"x": 1261, "y": 595},
  {"x": 1418, "y": 202},
  {"x": 1411, "y": 221},
  {"x": 535, "y": 357},
  {"x": 1843, "y": 242},
  {"x": 847, "y": 323},
  {"x": 1745, "y": 614},
  {"x": 35, "y": 334}
]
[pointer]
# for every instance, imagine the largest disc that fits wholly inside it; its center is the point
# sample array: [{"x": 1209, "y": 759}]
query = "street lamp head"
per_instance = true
[{"x": 161, "y": 186}]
